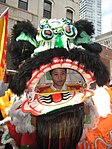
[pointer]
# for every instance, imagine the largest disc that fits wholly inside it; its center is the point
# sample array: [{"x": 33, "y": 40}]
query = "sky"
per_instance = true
[{"x": 106, "y": 16}]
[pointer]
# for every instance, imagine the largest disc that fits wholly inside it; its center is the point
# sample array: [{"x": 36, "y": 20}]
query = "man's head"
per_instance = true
[{"x": 58, "y": 76}]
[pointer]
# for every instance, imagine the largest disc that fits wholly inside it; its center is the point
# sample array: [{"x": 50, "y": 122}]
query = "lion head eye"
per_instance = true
[
  {"x": 47, "y": 33},
  {"x": 70, "y": 31}
]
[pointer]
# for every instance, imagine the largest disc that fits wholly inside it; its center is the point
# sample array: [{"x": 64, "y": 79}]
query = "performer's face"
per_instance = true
[{"x": 58, "y": 76}]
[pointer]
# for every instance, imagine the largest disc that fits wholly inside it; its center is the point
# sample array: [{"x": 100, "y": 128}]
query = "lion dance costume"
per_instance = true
[{"x": 55, "y": 120}]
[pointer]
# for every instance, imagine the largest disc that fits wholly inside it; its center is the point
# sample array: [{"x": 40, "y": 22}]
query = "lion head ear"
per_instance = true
[
  {"x": 84, "y": 25},
  {"x": 23, "y": 42},
  {"x": 84, "y": 36}
]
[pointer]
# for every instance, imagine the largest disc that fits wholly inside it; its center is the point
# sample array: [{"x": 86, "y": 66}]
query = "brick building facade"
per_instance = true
[{"x": 106, "y": 56}]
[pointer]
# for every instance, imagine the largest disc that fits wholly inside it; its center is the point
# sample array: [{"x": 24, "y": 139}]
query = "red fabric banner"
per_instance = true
[{"x": 3, "y": 42}]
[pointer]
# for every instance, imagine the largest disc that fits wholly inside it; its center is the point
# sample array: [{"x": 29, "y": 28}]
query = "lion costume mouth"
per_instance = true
[
  {"x": 59, "y": 63},
  {"x": 47, "y": 103},
  {"x": 42, "y": 103}
]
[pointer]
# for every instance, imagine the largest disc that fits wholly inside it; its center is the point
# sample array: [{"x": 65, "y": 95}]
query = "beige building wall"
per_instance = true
[
  {"x": 59, "y": 8},
  {"x": 105, "y": 39},
  {"x": 35, "y": 10}
]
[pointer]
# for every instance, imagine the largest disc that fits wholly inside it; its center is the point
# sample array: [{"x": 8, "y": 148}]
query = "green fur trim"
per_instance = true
[
  {"x": 84, "y": 38},
  {"x": 25, "y": 37}
]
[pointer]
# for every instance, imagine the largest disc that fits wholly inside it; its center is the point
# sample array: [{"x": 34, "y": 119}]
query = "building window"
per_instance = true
[
  {"x": 3, "y": 1},
  {"x": 107, "y": 42},
  {"x": 23, "y": 4},
  {"x": 69, "y": 14},
  {"x": 47, "y": 9}
]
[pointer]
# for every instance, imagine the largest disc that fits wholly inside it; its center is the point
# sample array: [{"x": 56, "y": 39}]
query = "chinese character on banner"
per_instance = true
[{"x": 3, "y": 42}]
